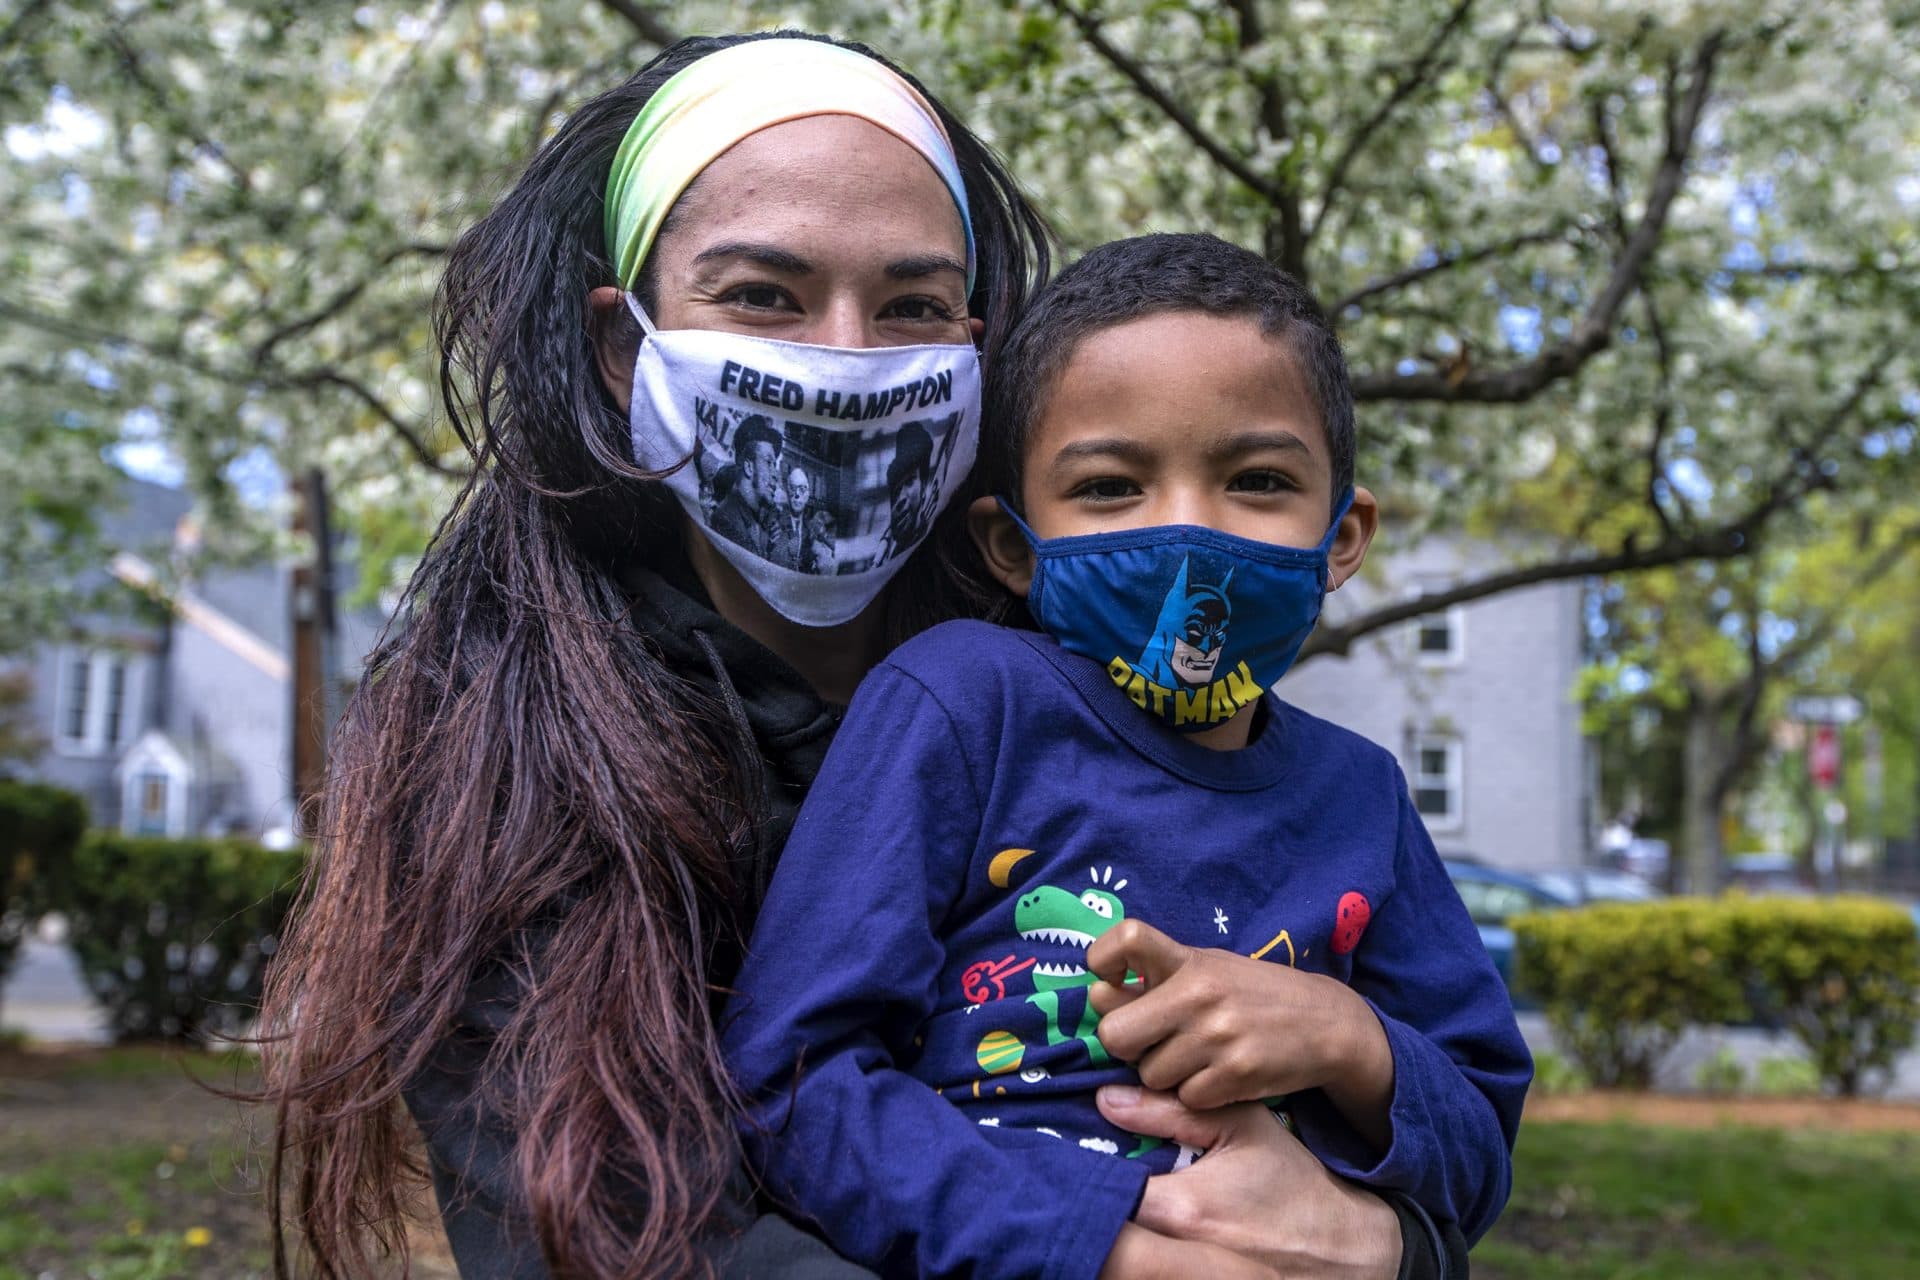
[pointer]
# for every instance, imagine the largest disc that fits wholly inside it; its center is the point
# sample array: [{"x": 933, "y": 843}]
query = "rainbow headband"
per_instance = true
[{"x": 712, "y": 104}]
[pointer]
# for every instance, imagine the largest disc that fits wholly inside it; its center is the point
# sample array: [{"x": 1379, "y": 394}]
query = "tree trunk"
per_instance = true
[{"x": 1702, "y": 857}]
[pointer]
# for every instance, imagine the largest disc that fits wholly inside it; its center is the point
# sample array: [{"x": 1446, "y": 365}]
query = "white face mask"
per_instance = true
[{"x": 881, "y": 437}]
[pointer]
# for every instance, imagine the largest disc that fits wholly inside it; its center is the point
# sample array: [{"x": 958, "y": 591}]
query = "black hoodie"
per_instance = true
[{"x": 471, "y": 1152}]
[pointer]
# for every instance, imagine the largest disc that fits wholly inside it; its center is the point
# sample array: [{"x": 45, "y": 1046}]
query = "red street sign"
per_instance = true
[{"x": 1823, "y": 756}]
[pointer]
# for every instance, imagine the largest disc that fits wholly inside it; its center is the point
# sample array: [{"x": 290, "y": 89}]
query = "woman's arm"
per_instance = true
[{"x": 1262, "y": 1194}]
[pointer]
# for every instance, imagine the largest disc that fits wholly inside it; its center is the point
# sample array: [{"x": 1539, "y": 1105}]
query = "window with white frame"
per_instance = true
[
  {"x": 91, "y": 710},
  {"x": 153, "y": 794},
  {"x": 1440, "y": 638},
  {"x": 1439, "y": 792}
]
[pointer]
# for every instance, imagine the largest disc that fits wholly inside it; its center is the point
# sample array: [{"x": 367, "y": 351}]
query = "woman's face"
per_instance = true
[{"x": 828, "y": 231}]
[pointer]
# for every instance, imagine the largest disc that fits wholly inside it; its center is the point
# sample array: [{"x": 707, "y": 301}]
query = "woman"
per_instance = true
[{"x": 556, "y": 796}]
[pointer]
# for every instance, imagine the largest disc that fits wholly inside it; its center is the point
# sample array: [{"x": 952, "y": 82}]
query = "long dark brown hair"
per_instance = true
[{"x": 522, "y": 789}]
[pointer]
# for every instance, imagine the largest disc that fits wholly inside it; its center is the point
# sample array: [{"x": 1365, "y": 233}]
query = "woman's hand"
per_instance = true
[
  {"x": 1140, "y": 1254},
  {"x": 1218, "y": 1028},
  {"x": 1257, "y": 1192}
]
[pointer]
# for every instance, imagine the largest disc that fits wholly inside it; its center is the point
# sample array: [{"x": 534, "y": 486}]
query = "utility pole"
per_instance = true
[{"x": 310, "y": 598}]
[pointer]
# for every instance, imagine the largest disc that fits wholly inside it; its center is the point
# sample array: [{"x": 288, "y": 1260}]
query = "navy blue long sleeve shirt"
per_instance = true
[{"x": 911, "y": 1024}]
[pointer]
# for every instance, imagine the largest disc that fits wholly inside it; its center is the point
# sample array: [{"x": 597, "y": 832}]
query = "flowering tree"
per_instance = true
[{"x": 1633, "y": 280}]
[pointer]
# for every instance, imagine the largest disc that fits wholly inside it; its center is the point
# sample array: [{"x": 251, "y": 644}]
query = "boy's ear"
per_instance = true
[
  {"x": 1008, "y": 554},
  {"x": 616, "y": 341},
  {"x": 1350, "y": 544}
]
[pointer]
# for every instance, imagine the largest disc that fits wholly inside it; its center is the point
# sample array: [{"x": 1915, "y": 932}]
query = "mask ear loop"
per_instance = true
[
  {"x": 1033, "y": 539},
  {"x": 640, "y": 314}
]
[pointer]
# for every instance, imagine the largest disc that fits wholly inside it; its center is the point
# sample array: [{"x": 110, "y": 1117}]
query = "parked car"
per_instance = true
[
  {"x": 1494, "y": 897},
  {"x": 1758, "y": 873},
  {"x": 1598, "y": 884}
]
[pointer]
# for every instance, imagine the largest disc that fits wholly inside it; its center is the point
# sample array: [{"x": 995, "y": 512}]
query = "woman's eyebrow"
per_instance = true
[
  {"x": 921, "y": 265},
  {"x": 771, "y": 256}
]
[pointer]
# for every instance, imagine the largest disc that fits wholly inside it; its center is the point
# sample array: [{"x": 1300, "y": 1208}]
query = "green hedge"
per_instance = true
[
  {"x": 39, "y": 828},
  {"x": 1620, "y": 982},
  {"x": 172, "y": 934},
  {"x": 1842, "y": 974}
]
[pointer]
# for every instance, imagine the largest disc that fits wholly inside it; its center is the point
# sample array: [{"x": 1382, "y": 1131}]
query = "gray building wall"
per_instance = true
[
  {"x": 233, "y": 719},
  {"x": 1505, "y": 702}
]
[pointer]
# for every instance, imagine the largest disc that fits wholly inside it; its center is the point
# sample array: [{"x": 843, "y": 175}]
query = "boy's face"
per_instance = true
[
  {"x": 1181, "y": 418},
  {"x": 1178, "y": 418}
]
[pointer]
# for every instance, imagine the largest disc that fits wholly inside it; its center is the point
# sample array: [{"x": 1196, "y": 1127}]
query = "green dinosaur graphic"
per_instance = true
[{"x": 1049, "y": 914}]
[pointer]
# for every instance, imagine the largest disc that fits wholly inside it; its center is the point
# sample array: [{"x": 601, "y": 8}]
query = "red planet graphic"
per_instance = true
[{"x": 1349, "y": 922}]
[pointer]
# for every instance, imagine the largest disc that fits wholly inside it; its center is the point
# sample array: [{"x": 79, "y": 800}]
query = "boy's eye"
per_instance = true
[
  {"x": 1106, "y": 489},
  {"x": 1261, "y": 482}
]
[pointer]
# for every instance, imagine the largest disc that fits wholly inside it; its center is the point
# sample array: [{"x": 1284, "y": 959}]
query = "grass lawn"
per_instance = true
[
  {"x": 120, "y": 1164},
  {"x": 1620, "y": 1200},
  {"x": 115, "y": 1166}
]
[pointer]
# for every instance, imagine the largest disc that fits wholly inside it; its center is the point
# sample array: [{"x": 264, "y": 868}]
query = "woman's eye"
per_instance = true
[
  {"x": 919, "y": 309},
  {"x": 1106, "y": 489},
  {"x": 758, "y": 297},
  {"x": 1261, "y": 482}
]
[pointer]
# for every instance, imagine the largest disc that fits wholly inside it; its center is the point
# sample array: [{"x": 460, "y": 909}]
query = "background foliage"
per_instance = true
[
  {"x": 172, "y": 935},
  {"x": 1621, "y": 982},
  {"x": 1628, "y": 285}
]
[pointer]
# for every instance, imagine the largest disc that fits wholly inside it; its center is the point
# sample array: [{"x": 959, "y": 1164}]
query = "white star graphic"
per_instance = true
[{"x": 1220, "y": 918}]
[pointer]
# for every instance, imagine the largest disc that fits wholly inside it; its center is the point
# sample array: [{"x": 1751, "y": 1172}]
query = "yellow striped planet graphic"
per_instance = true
[{"x": 999, "y": 1053}]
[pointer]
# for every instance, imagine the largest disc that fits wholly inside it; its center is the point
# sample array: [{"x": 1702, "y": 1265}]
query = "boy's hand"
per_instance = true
[{"x": 1218, "y": 1028}]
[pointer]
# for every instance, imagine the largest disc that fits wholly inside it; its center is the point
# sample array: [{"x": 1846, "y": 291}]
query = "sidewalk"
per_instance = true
[
  {"x": 45, "y": 997},
  {"x": 1679, "y": 1071}
]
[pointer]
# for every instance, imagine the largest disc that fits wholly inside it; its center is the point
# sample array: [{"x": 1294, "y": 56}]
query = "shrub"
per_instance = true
[
  {"x": 172, "y": 934},
  {"x": 1721, "y": 1073},
  {"x": 1842, "y": 974},
  {"x": 1620, "y": 982},
  {"x": 39, "y": 827},
  {"x": 1785, "y": 1077},
  {"x": 1554, "y": 1074}
]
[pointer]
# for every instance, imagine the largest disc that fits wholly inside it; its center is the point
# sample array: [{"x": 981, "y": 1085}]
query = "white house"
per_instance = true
[
  {"x": 177, "y": 719},
  {"x": 1476, "y": 703}
]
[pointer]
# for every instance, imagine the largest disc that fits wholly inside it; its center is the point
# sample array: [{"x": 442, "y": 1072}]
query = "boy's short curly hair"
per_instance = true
[{"x": 1145, "y": 276}]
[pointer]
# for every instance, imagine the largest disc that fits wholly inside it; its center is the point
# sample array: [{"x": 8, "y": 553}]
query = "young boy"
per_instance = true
[{"x": 955, "y": 953}]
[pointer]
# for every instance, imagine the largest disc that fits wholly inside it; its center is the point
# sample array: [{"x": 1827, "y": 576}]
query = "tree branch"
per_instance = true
[
  {"x": 365, "y": 395},
  {"x": 343, "y": 299},
  {"x": 1662, "y": 420},
  {"x": 1724, "y": 542},
  {"x": 273, "y": 379},
  {"x": 1151, "y": 90},
  {"x": 164, "y": 103},
  {"x": 1416, "y": 77},
  {"x": 1595, "y": 330},
  {"x": 1285, "y": 235},
  {"x": 1448, "y": 261},
  {"x": 644, "y": 21}
]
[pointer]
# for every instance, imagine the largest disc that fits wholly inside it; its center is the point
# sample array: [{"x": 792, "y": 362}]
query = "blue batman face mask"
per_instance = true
[{"x": 1191, "y": 623}]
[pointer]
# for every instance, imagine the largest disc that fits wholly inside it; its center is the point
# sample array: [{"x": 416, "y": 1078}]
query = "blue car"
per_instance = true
[{"x": 1494, "y": 897}]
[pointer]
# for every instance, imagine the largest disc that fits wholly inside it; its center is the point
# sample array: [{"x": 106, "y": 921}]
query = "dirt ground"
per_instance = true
[
  {"x": 1687, "y": 1111},
  {"x": 84, "y": 1109}
]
